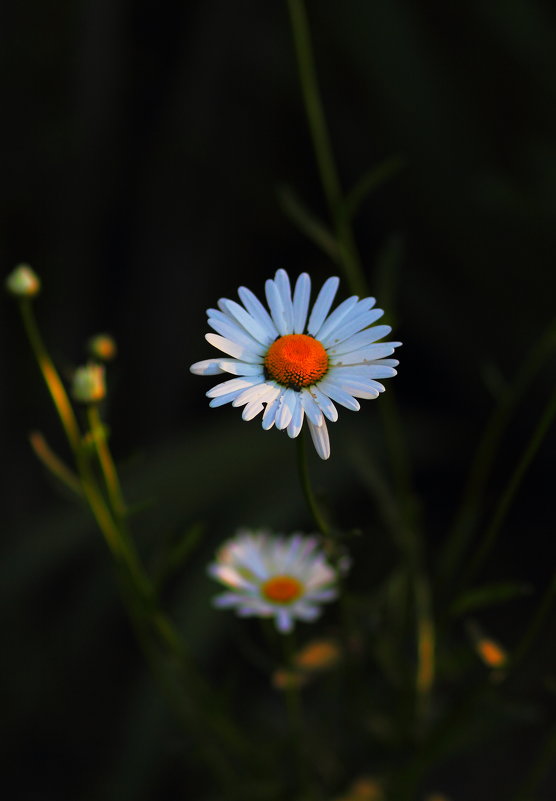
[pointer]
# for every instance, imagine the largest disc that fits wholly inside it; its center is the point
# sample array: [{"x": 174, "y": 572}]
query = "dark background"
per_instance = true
[{"x": 142, "y": 146}]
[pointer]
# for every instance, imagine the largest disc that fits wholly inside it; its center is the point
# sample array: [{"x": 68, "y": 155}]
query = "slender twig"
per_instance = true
[
  {"x": 106, "y": 462},
  {"x": 53, "y": 463}
]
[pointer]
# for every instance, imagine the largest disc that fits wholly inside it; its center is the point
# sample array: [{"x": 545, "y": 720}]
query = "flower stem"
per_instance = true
[
  {"x": 319, "y": 519},
  {"x": 349, "y": 256},
  {"x": 108, "y": 468}
]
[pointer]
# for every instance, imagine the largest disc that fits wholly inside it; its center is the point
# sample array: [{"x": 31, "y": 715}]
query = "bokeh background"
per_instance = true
[{"x": 142, "y": 151}]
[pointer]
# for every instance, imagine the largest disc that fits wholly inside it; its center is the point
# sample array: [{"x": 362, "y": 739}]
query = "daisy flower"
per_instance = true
[
  {"x": 274, "y": 576},
  {"x": 290, "y": 363}
]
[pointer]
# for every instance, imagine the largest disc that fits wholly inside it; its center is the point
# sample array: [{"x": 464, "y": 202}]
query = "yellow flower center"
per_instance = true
[
  {"x": 282, "y": 589},
  {"x": 296, "y": 361}
]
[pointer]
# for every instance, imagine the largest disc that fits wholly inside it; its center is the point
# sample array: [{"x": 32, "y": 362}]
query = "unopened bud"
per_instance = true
[
  {"x": 23, "y": 282},
  {"x": 88, "y": 383},
  {"x": 318, "y": 655},
  {"x": 102, "y": 347}
]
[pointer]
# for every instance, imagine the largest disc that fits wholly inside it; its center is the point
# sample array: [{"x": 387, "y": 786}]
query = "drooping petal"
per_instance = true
[{"x": 319, "y": 435}]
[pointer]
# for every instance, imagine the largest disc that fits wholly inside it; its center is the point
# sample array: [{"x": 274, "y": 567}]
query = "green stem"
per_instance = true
[
  {"x": 323, "y": 149},
  {"x": 51, "y": 377},
  {"x": 507, "y": 497},
  {"x": 107, "y": 465},
  {"x": 318, "y": 517}
]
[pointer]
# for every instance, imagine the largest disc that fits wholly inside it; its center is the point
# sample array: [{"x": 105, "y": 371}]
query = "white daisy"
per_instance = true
[
  {"x": 290, "y": 364},
  {"x": 274, "y": 576}
]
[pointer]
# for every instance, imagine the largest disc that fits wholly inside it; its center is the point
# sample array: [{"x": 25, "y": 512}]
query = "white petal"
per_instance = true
[
  {"x": 296, "y": 422},
  {"x": 257, "y": 310},
  {"x": 324, "y": 403},
  {"x": 366, "y": 355},
  {"x": 352, "y": 326},
  {"x": 260, "y": 393},
  {"x": 336, "y": 318},
  {"x": 258, "y": 331},
  {"x": 236, "y": 367},
  {"x": 269, "y": 415},
  {"x": 286, "y": 409},
  {"x": 330, "y": 388},
  {"x": 284, "y": 622},
  {"x": 207, "y": 367},
  {"x": 306, "y": 612},
  {"x": 233, "y": 349},
  {"x": 274, "y": 300},
  {"x": 323, "y": 304},
  {"x": 311, "y": 407},
  {"x": 319, "y": 435},
  {"x": 251, "y": 410},
  {"x": 358, "y": 387},
  {"x": 361, "y": 340},
  {"x": 282, "y": 282},
  {"x": 222, "y": 400},
  {"x": 358, "y": 371},
  {"x": 232, "y": 385},
  {"x": 228, "y": 328},
  {"x": 227, "y": 600},
  {"x": 301, "y": 296}
]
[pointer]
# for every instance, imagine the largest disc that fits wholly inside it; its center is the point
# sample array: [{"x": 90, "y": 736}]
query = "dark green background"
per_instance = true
[{"x": 142, "y": 146}]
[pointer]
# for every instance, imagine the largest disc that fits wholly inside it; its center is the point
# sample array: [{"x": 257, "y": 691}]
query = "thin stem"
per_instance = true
[
  {"x": 53, "y": 463},
  {"x": 51, "y": 377},
  {"x": 107, "y": 465},
  {"x": 318, "y": 517},
  {"x": 507, "y": 497},
  {"x": 323, "y": 149},
  {"x": 462, "y": 527}
]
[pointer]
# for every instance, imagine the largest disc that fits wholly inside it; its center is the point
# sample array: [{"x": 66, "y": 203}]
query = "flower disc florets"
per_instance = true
[{"x": 290, "y": 362}]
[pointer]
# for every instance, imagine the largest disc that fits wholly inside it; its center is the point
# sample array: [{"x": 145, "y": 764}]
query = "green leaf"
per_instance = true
[
  {"x": 489, "y": 595},
  {"x": 370, "y": 181},
  {"x": 310, "y": 225}
]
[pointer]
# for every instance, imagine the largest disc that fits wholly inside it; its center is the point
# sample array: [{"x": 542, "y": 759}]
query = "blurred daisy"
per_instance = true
[
  {"x": 290, "y": 363},
  {"x": 274, "y": 576}
]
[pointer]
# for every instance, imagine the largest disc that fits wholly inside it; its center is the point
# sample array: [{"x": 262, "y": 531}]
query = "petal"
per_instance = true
[
  {"x": 286, "y": 409},
  {"x": 207, "y": 367},
  {"x": 352, "y": 326},
  {"x": 301, "y": 296},
  {"x": 296, "y": 422},
  {"x": 251, "y": 410},
  {"x": 324, "y": 403},
  {"x": 236, "y": 367},
  {"x": 269, "y": 415},
  {"x": 282, "y": 282},
  {"x": 259, "y": 332},
  {"x": 361, "y": 340},
  {"x": 336, "y": 318},
  {"x": 330, "y": 388},
  {"x": 366, "y": 355},
  {"x": 319, "y": 435},
  {"x": 323, "y": 304},
  {"x": 233, "y": 349},
  {"x": 222, "y": 400},
  {"x": 263, "y": 393},
  {"x": 311, "y": 407},
  {"x": 284, "y": 621},
  {"x": 232, "y": 384},
  {"x": 257, "y": 310},
  {"x": 228, "y": 328},
  {"x": 276, "y": 307}
]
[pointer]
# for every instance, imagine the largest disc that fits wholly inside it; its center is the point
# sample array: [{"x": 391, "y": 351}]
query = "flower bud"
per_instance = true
[
  {"x": 102, "y": 347},
  {"x": 23, "y": 282},
  {"x": 318, "y": 655},
  {"x": 88, "y": 383}
]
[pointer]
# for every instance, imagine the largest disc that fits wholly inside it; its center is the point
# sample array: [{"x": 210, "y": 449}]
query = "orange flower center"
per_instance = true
[
  {"x": 296, "y": 361},
  {"x": 282, "y": 589}
]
